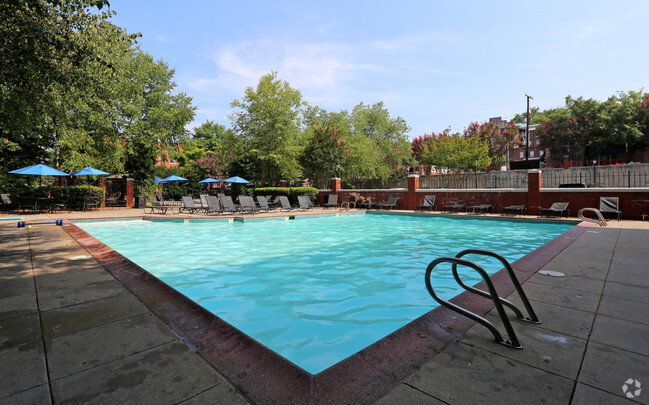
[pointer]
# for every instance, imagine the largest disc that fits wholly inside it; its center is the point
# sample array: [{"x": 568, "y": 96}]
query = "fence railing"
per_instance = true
[
  {"x": 511, "y": 179},
  {"x": 597, "y": 176},
  {"x": 617, "y": 176},
  {"x": 376, "y": 184}
]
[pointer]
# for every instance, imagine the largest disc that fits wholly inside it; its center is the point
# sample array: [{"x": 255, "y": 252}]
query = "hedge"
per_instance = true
[{"x": 72, "y": 196}]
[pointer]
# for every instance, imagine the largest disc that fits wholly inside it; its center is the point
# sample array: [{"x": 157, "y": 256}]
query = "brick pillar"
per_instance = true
[
  {"x": 566, "y": 162},
  {"x": 130, "y": 192},
  {"x": 102, "y": 183},
  {"x": 413, "y": 185},
  {"x": 335, "y": 185},
  {"x": 283, "y": 183},
  {"x": 533, "y": 189}
]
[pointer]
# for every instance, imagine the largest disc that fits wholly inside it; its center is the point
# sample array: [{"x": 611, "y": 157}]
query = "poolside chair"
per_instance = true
[
  {"x": 304, "y": 202},
  {"x": 284, "y": 203},
  {"x": 213, "y": 205},
  {"x": 455, "y": 207},
  {"x": 557, "y": 209},
  {"x": 515, "y": 209},
  {"x": 332, "y": 201},
  {"x": 247, "y": 204},
  {"x": 228, "y": 204},
  {"x": 428, "y": 204},
  {"x": 204, "y": 202},
  {"x": 263, "y": 203},
  {"x": 389, "y": 204},
  {"x": 482, "y": 208},
  {"x": 188, "y": 205},
  {"x": 611, "y": 205},
  {"x": 9, "y": 203}
]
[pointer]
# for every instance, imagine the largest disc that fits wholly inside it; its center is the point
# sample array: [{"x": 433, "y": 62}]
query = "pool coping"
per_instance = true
[{"x": 266, "y": 377}]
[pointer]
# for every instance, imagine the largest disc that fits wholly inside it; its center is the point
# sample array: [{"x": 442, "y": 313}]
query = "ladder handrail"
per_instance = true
[
  {"x": 517, "y": 285},
  {"x": 513, "y": 342},
  {"x": 600, "y": 218}
]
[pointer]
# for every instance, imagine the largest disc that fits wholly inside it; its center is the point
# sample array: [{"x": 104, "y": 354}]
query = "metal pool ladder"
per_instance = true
[
  {"x": 492, "y": 294},
  {"x": 599, "y": 220}
]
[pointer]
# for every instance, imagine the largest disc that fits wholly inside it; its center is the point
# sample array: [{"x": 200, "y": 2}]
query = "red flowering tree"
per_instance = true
[{"x": 497, "y": 141}]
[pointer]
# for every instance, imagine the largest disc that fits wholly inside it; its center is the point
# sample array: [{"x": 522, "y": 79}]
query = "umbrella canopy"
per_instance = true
[
  {"x": 88, "y": 171},
  {"x": 209, "y": 180},
  {"x": 237, "y": 179},
  {"x": 172, "y": 178},
  {"x": 39, "y": 170},
  {"x": 158, "y": 180}
]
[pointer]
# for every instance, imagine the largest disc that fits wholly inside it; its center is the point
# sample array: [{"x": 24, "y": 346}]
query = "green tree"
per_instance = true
[
  {"x": 621, "y": 123},
  {"x": 390, "y": 135},
  {"x": 454, "y": 153},
  {"x": 268, "y": 120},
  {"x": 39, "y": 58},
  {"x": 211, "y": 136},
  {"x": 324, "y": 152},
  {"x": 498, "y": 141}
]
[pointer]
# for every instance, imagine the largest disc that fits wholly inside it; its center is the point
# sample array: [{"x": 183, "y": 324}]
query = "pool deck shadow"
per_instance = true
[{"x": 81, "y": 328}]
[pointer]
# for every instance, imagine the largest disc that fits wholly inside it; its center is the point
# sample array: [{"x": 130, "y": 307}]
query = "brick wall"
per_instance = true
[{"x": 532, "y": 197}]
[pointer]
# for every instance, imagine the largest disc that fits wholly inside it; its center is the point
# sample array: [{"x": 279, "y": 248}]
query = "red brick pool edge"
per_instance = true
[{"x": 265, "y": 377}]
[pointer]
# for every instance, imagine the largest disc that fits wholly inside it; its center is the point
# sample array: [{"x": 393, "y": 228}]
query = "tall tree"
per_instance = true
[
  {"x": 498, "y": 141},
  {"x": 269, "y": 120},
  {"x": 390, "y": 135},
  {"x": 39, "y": 58},
  {"x": 325, "y": 152}
]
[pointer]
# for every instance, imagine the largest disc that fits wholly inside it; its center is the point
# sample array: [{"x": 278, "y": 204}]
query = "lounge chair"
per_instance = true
[
  {"x": 482, "y": 208},
  {"x": 456, "y": 207},
  {"x": 263, "y": 203},
  {"x": 204, "y": 205},
  {"x": 9, "y": 203},
  {"x": 213, "y": 205},
  {"x": 428, "y": 204},
  {"x": 611, "y": 205},
  {"x": 188, "y": 205},
  {"x": 557, "y": 209},
  {"x": 247, "y": 204},
  {"x": 158, "y": 209},
  {"x": 304, "y": 202},
  {"x": 516, "y": 209},
  {"x": 389, "y": 204},
  {"x": 332, "y": 201},
  {"x": 284, "y": 203},
  {"x": 228, "y": 204}
]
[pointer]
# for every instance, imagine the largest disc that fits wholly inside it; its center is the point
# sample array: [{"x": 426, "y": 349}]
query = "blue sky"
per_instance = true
[{"x": 437, "y": 64}]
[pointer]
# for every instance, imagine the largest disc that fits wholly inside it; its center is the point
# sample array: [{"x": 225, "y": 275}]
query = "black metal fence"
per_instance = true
[
  {"x": 624, "y": 176},
  {"x": 598, "y": 176},
  {"x": 376, "y": 184},
  {"x": 511, "y": 179}
]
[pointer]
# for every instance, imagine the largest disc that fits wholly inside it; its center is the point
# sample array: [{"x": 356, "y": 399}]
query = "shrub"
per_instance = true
[{"x": 72, "y": 196}]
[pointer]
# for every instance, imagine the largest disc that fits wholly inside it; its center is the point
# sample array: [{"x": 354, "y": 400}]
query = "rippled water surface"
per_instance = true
[{"x": 316, "y": 289}]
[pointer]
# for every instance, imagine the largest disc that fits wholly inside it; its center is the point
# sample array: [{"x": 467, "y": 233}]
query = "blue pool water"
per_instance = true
[{"x": 316, "y": 289}]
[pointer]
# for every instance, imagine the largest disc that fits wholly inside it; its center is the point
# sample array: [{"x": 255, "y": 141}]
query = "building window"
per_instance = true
[
  {"x": 522, "y": 155},
  {"x": 531, "y": 153}
]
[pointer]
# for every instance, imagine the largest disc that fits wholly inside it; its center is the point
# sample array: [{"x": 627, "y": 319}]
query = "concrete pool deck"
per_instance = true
[{"x": 71, "y": 333}]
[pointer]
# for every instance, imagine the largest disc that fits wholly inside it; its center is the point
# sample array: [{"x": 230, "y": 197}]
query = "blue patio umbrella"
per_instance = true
[
  {"x": 237, "y": 179},
  {"x": 39, "y": 170},
  {"x": 158, "y": 180},
  {"x": 88, "y": 171},
  {"x": 209, "y": 180},
  {"x": 172, "y": 179}
]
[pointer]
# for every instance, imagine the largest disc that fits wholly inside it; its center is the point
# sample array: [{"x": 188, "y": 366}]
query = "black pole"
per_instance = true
[{"x": 527, "y": 131}]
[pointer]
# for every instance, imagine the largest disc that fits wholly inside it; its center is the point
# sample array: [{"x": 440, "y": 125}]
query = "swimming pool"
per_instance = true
[{"x": 314, "y": 289}]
